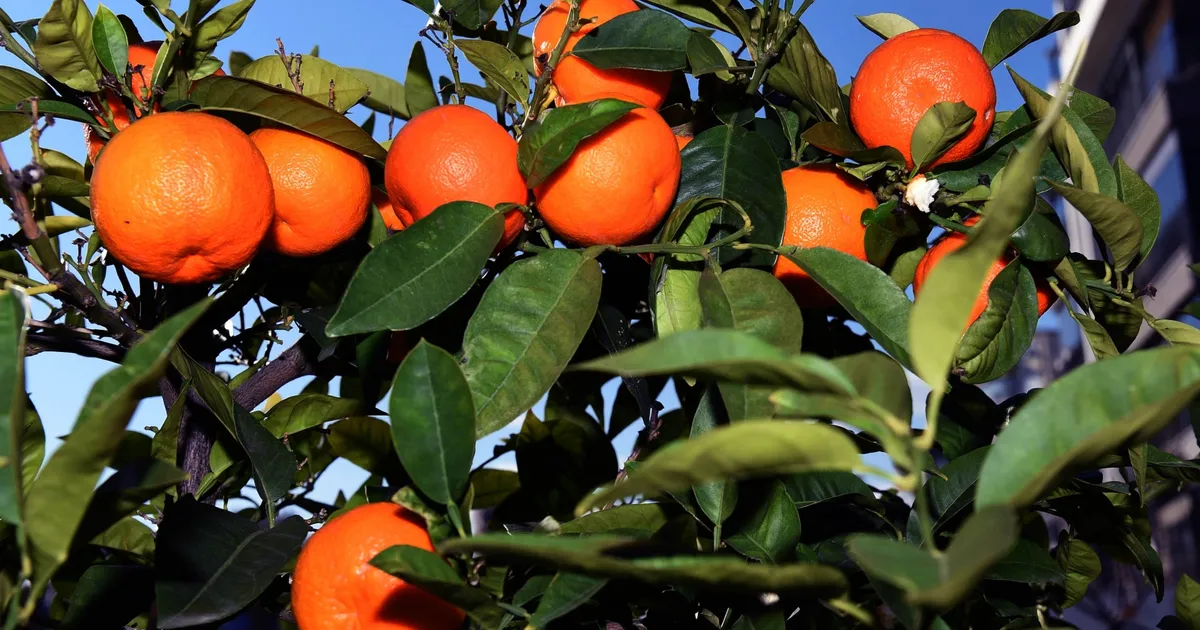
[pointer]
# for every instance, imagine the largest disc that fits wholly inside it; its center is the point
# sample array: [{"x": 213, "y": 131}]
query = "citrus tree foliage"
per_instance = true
[{"x": 746, "y": 507}]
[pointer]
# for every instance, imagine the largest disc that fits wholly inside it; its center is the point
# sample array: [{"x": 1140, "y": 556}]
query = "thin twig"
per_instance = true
[
  {"x": 39, "y": 342},
  {"x": 293, "y": 73},
  {"x": 538, "y": 100}
]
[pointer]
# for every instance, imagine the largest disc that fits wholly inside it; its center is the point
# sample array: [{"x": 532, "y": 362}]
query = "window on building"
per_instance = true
[{"x": 1171, "y": 186}]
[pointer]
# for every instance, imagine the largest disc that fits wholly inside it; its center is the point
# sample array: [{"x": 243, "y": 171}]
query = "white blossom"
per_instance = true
[{"x": 920, "y": 192}]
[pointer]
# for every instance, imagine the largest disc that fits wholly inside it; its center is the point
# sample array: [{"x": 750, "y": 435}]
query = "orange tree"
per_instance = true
[{"x": 532, "y": 249}]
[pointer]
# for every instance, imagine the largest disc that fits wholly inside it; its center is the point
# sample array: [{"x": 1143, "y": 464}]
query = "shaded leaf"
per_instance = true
[
  {"x": 430, "y": 572},
  {"x": 1134, "y": 192},
  {"x": 566, "y": 592},
  {"x": 807, "y": 76},
  {"x": 64, "y": 47},
  {"x": 316, "y": 74},
  {"x": 386, "y": 94},
  {"x": 938, "y": 131},
  {"x": 306, "y": 411},
  {"x": 646, "y": 40},
  {"x": 768, "y": 528},
  {"x": 1015, "y": 29},
  {"x": 1116, "y": 223}
]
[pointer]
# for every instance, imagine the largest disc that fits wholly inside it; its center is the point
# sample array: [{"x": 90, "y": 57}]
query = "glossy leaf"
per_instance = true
[
  {"x": 213, "y": 563},
  {"x": 1116, "y": 223},
  {"x": 419, "y": 272},
  {"x": 1042, "y": 237},
  {"x": 1098, "y": 408},
  {"x": 708, "y": 56},
  {"x": 17, "y": 85},
  {"x": 587, "y": 555},
  {"x": 755, "y": 448},
  {"x": 221, "y": 25},
  {"x": 306, "y": 411},
  {"x": 565, "y": 593},
  {"x": 887, "y": 25},
  {"x": 951, "y": 492},
  {"x": 57, "y": 500},
  {"x": 1015, "y": 29},
  {"x": 768, "y": 527},
  {"x": 731, "y": 163},
  {"x": 996, "y": 341},
  {"x": 472, "y": 14},
  {"x": 108, "y": 38},
  {"x": 865, "y": 291},
  {"x": 1134, "y": 192},
  {"x": 806, "y": 75},
  {"x": 433, "y": 422},
  {"x": 499, "y": 65},
  {"x": 491, "y": 486},
  {"x": 645, "y": 40},
  {"x": 938, "y": 130},
  {"x": 278, "y": 105},
  {"x": 840, "y": 140},
  {"x": 548, "y": 143},
  {"x": 430, "y": 572},
  {"x": 64, "y": 47},
  {"x": 316, "y": 75}
]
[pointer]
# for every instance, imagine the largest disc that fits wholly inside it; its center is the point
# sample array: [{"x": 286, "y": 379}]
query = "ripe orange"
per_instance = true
[
  {"x": 824, "y": 209},
  {"x": 141, "y": 62},
  {"x": 182, "y": 197},
  {"x": 321, "y": 191},
  {"x": 394, "y": 220},
  {"x": 578, "y": 81},
  {"x": 617, "y": 186},
  {"x": 909, "y": 73},
  {"x": 335, "y": 587},
  {"x": 954, "y": 240},
  {"x": 683, "y": 141},
  {"x": 455, "y": 153}
]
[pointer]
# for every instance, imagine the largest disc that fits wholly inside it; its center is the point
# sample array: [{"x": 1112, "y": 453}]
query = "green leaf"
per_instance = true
[
  {"x": 430, "y": 572},
  {"x": 13, "y": 401},
  {"x": 708, "y": 56},
  {"x": 675, "y": 280},
  {"x": 124, "y": 492},
  {"x": 755, "y": 302},
  {"x": 58, "y": 109},
  {"x": 738, "y": 165},
  {"x": 109, "y": 596},
  {"x": 938, "y": 130},
  {"x": 870, "y": 296},
  {"x": 587, "y": 555},
  {"x": 1027, "y": 563},
  {"x": 1187, "y": 601},
  {"x": 232, "y": 94},
  {"x": 221, "y": 25},
  {"x": 64, "y": 47},
  {"x": 985, "y": 539},
  {"x": 1116, "y": 223},
  {"x": 420, "y": 271},
  {"x": 1081, "y": 565},
  {"x": 1095, "y": 112},
  {"x": 645, "y": 40},
  {"x": 386, "y": 94},
  {"x": 367, "y": 443},
  {"x": 718, "y": 14},
  {"x": 996, "y": 342},
  {"x": 433, "y": 422},
  {"x": 316, "y": 74},
  {"x": 724, "y": 355},
  {"x": 565, "y": 593},
  {"x": 1042, "y": 237},
  {"x": 548, "y": 143},
  {"x": 1015, "y": 29},
  {"x": 950, "y": 492},
  {"x": 419, "y": 92},
  {"x": 767, "y": 527},
  {"x": 237, "y": 61},
  {"x": 490, "y": 487},
  {"x": 306, "y": 411},
  {"x": 212, "y": 563},
  {"x": 840, "y": 140},
  {"x": 17, "y": 85},
  {"x": 985, "y": 165},
  {"x": 887, "y": 25},
  {"x": 1077, "y": 148},
  {"x": 1134, "y": 192},
  {"x": 895, "y": 562},
  {"x": 58, "y": 499},
  {"x": 816, "y": 487},
  {"x": 754, "y": 448},
  {"x": 110, "y": 42},
  {"x": 716, "y": 499},
  {"x": 807, "y": 76},
  {"x": 499, "y": 65},
  {"x": 525, "y": 330},
  {"x": 471, "y": 14},
  {"x": 642, "y": 518},
  {"x": 1097, "y": 409},
  {"x": 879, "y": 379}
]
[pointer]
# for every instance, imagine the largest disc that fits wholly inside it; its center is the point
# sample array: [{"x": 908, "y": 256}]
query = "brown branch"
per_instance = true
[
  {"x": 298, "y": 360},
  {"x": 39, "y": 342}
]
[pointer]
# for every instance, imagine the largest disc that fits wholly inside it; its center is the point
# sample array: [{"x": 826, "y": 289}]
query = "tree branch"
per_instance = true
[
  {"x": 39, "y": 342},
  {"x": 298, "y": 360}
]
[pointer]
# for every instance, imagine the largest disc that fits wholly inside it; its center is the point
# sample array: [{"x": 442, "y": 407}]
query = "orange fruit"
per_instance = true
[
  {"x": 455, "y": 153},
  {"x": 335, "y": 587},
  {"x": 141, "y": 62},
  {"x": 321, "y": 191},
  {"x": 824, "y": 209},
  {"x": 683, "y": 141},
  {"x": 578, "y": 81},
  {"x": 394, "y": 220},
  {"x": 954, "y": 240},
  {"x": 909, "y": 73},
  {"x": 182, "y": 197},
  {"x": 617, "y": 186}
]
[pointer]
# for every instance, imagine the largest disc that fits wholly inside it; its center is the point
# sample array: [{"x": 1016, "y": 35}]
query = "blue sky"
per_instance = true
[{"x": 378, "y": 35}]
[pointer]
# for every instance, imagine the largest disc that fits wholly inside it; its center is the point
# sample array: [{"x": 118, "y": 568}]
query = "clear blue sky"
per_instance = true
[{"x": 378, "y": 35}]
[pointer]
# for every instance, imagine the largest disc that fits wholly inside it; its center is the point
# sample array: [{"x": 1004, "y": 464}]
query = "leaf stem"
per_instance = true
[{"x": 538, "y": 99}]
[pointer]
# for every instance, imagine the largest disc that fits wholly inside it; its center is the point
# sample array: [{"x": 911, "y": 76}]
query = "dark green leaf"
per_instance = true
[
  {"x": 64, "y": 47},
  {"x": 1027, "y": 563},
  {"x": 767, "y": 527},
  {"x": 367, "y": 442},
  {"x": 17, "y": 85},
  {"x": 316, "y": 75},
  {"x": 433, "y": 422},
  {"x": 1015, "y": 29},
  {"x": 284, "y": 107},
  {"x": 13, "y": 403},
  {"x": 951, "y": 495},
  {"x": 1081, "y": 565},
  {"x": 865, "y": 291},
  {"x": 716, "y": 499},
  {"x": 1116, "y": 223},
  {"x": 420, "y": 271},
  {"x": 499, "y": 65},
  {"x": 110, "y": 42},
  {"x": 491, "y": 486},
  {"x": 420, "y": 94},
  {"x": 587, "y": 555},
  {"x": 1141, "y": 198},
  {"x": 124, "y": 492},
  {"x": 58, "y": 109},
  {"x": 525, "y": 330},
  {"x": 999, "y": 337},
  {"x": 807, "y": 76},
  {"x": 306, "y": 411},
  {"x": 897, "y": 563},
  {"x": 386, "y": 94},
  {"x": 719, "y": 14},
  {"x": 707, "y": 56},
  {"x": 887, "y": 25},
  {"x": 646, "y": 40},
  {"x": 938, "y": 130},
  {"x": 840, "y": 140},
  {"x": 220, "y": 25},
  {"x": 986, "y": 538},
  {"x": 755, "y": 448},
  {"x": 109, "y": 596},
  {"x": 431, "y": 573},
  {"x": 237, "y": 61},
  {"x": 548, "y": 144},
  {"x": 472, "y": 14},
  {"x": 213, "y": 563},
  {"x": 1042, "y": 237},
  {"x": 1097, "y": 409},
  {"x": 732, "y": 163},
  {"x": 1187, "y": 601},
  {"x": 57, "y": 500},
  {"x": 815, "y": 487},
  {"x": 642, "y": 518},
  {"x": 566, "y": 592}
]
